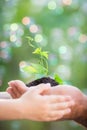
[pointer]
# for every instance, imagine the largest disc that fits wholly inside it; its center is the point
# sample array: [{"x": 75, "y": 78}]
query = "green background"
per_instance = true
[{"x": 59, "y": 27}]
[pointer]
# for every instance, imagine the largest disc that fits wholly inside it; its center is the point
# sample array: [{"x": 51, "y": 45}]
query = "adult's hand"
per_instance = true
[{"x": 79, "y": 110}]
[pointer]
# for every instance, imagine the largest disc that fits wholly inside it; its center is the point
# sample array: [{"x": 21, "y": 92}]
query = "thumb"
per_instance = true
[
  {"x": 20, "y": 83},
  {"x": 16, "y": 82},
  {"x": 42, "y": 88}
]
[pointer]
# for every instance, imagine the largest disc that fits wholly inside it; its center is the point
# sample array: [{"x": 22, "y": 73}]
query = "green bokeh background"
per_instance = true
[{"x": 58, "y": 26}]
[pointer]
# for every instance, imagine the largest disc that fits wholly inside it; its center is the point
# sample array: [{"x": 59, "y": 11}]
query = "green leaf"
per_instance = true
[
  {"x": 40, "y": 52},
  {"x": 58, "y": 79},
  {"x": 34, "y": 69},
  {"x": 37, "y": 51},
  {"x": 45, "y": 54},
  {"x": 29, "y": 69},
  {"x": 40, "y": 69},
  {"x": 30, "y": 39}
]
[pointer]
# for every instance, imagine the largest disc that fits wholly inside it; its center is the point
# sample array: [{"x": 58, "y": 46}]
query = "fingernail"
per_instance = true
[{"x": 10, "y": 82}]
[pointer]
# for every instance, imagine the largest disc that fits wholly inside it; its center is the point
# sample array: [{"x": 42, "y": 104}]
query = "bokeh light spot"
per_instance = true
[
  {"x": 60, "y": 10},
  {"x": 18, "y": 43},
  {"x": 64, "y": 71},
  {"x": 26, "y": 20},
  {"x": 13, "y": 38},
  {"x": 33, "y": 28},
  {"x": 14, "y": 27},
  {"x": 52, "y": 5},
  {"x": 38, "y": 38},
  {"x": 22, "y": 64},
  {"x": 67, "y": 2},
  {"x": 3, "y": 44},
  {"x": 62, "y": 49},
  {"x": 72, "y": 31},
  {"x": 82, "y": 38}
]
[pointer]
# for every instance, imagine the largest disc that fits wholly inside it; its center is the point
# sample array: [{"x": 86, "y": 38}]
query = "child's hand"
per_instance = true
[
  {"x": 36, "y": 106},
  {"x": 16, "y": 88}
]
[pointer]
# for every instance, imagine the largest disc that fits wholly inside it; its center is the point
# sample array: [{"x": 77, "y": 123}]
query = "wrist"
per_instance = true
[
  {"x": 20, "y": 109},
  {"x": 85, "y": 107},
  {"x": 24, "y": 109},
  {"x": 82, "y": 119}
]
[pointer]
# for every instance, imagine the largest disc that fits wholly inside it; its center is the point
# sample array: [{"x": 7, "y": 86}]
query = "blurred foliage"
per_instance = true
[{"x": 59, "y": 26}]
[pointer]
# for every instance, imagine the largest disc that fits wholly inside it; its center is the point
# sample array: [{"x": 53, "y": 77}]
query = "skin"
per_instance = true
[
  {"x": 78, "y": 110},
  {"x": 33, "y": 104}
]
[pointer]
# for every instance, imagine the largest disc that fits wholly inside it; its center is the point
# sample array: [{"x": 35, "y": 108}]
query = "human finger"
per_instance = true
[
  {"x": 20, "y": 86},
  {"x": 57, "y": 115},
  {"x": 11, "y": 92},
  {"x": 57, "y": 98},
  {"x": 62, "y": 105},
  {"x": 14, "y": 91},
  {"x": 40, "y": 89}
]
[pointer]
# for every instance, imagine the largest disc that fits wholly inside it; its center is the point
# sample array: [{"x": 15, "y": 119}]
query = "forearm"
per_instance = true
[
  {"x": 10, "y": 109},
  {"x": 5, "y": 95},
  {"x": 83, "y": 119}
]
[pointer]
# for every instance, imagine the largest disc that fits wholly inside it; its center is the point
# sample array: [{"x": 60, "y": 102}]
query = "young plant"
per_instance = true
[{"x": 40, "y": 68}]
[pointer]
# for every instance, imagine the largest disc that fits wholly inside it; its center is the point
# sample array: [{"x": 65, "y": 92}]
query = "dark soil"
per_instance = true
[{"x": 42, "y": 80}]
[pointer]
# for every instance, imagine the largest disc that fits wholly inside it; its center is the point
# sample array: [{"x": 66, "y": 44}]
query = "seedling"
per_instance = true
[{"x": 40, "y": 68}]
